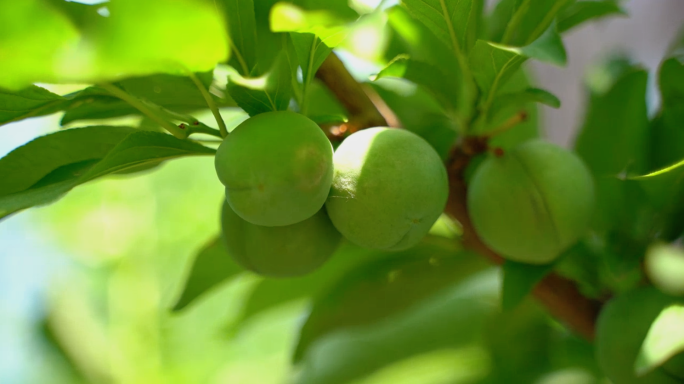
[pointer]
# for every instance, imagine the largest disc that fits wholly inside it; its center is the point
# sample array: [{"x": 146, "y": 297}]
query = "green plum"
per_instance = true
[
  {"x": 531, "y": 203},
  {"x": 283, "y": 251},
  {"x": 389, "y": 187},
  {"x": 277, "y": 168},
  {"x": 620, "y": 331}
]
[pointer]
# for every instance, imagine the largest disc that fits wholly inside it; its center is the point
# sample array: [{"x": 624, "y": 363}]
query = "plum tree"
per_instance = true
[
  {"x": 283, "y": 251},
  {"x": 276, "y": 167},
  {"x": 531, "y": 203},
  {"x": 389, "y": 187},
  {"x": 620, "y": 331}
]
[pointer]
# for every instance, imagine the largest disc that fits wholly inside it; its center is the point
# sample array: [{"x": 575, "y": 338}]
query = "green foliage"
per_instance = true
[
  {"x": 134, "y": 39},
  {"x": 211, "y": 266},
  {"x": 430, "y": 313},
  {"x": 73, "y": 157},
  {"x": 623, "y": 326}
]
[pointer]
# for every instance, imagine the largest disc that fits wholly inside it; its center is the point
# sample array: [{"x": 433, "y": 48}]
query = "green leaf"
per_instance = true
[
  {"x": 43, "y": 170},
  {"x": 269, "y": 293},
  {"x": 455, "y": 22},
  {"x": 614, "y": 136},
  {"x": 28, "y": 102},
  {"x": 329, "y": 29},
  {"x": 243, "y": 38},
  {"x": 425, "y": 75},
  {"x": 518, "y": 281},
  {"x": 667, "y": 130},
  {"x": 526, "y": 130},
  {"x": 28, "y": 164},
  {"x": 135, "y": 39},
  {"x": 583, "y": 11},
  {"x": 493, "y": 65},
  {"x": 453, "y": 318},
  {"x": 175, "y": 93},
  {"x": 507, "y": 104},
  {"x": 377, "y": 291},
  {"x": 419, "y": 113},
  {"x": 311, "y": 52},
  {"x": 271, "y": 92},
  {"x": 527, "y": 20},
  {"x": 421, "y": 44},
  {"x": 664, "y": 340},
  {"x": 212, "y": 266}
]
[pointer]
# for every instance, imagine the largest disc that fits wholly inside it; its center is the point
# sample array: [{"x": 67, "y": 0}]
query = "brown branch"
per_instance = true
[
  {"x": 357, "y": 100},
  {"x": 559, "y": 295}
]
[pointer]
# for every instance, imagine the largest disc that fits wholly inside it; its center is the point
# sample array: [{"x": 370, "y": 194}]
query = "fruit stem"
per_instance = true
[
  {"x": 210, "y": 103},
  {"x": 512, "y": 122}
]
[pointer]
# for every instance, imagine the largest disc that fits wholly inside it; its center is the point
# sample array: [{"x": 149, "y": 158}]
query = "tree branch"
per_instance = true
[
  {"x": 559, "y": 295},
  {"x": 363, "y": 112}
]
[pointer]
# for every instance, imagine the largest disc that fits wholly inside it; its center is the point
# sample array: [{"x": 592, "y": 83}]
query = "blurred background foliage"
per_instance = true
[{"x": 88, "y": 284}]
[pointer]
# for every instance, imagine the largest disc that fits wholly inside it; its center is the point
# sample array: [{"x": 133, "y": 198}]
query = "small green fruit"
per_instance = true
[
  {"x": 620, "y": 331},
  {"x": 389, "y": 187},
  {"x": 283, "y": 251},
  {"x": 531, "y": 203},
  {"x": 277, "y": 168}
]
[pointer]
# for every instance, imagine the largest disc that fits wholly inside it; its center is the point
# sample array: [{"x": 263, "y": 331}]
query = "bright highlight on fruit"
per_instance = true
[
  {"x": 531, "y": 203},
  {"x": 277, "y": 168},
  {"x": 284, "y": 251},
  {"x": 389, "y": 187}
]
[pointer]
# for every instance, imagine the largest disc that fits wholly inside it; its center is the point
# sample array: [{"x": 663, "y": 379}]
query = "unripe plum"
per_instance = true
[
  {"x": 283, "y": 251},
  {"x": 620, "y": 331},
  {"x": 389, "y": 187},
  {"x": 277, "y": 168},
  {"x": 531, "y": 203}
]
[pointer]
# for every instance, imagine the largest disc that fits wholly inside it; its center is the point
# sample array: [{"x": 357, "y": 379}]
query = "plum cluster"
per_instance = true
[{"x": 289, "y": 198}]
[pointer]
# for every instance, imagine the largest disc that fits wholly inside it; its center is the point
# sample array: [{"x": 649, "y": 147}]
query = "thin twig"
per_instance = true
[
  {"x": 210, "y": 103},
  {"x": 145, "y": 109}
]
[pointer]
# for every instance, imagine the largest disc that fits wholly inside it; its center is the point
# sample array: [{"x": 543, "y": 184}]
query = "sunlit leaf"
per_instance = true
[
  {"x": 212, "y": 266},
  {"x": 664, "y": 340},
  {"x": 132, "y": 38},
  {"x": 493, "y": 64},
  {"x": 271, "y": 92},
  {"x": 329, "y": 29},
  {"x": 444, "y": 90},
  {"x": 455, "y": 22},
  {"x": 379, "y": 290},
  {"x": 243, "y": 38},
  {"x": 311, "y": 52}
]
